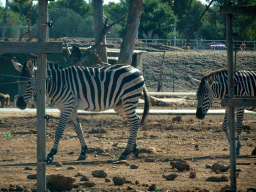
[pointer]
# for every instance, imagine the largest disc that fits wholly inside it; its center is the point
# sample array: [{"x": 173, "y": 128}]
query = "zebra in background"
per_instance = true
[
  {"x": 215, "y": 85},
  {"x": 5, "y": 100},
  {"x": 92, "y": 89}
]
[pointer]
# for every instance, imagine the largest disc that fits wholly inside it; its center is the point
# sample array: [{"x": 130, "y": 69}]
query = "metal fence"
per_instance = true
[{"x": 204, "y": 44}]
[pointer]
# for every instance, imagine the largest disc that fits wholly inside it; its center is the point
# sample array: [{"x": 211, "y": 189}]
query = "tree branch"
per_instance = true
[{"x": 103, "y": 33}]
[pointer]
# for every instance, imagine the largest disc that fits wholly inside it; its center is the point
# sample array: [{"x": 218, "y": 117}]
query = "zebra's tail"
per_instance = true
[{"x": 146, "y": 104}]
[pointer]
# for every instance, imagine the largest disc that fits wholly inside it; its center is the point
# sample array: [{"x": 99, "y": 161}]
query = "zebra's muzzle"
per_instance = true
[
  {"x": 199, "y": 113},
  {"x": 21, "y": 104}
]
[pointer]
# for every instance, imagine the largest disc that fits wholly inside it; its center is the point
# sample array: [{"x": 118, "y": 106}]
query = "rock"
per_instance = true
[
  {"x": 105, "y": 154},
  {"x": 119, "y": 180},
  {"x": 208, "y": 166},
  {"x": 28, "y": 168},
  {"x": 192, "y": 175},
  {"x": 99, "y": 173},
  {"x": 33, "y": 176},
  {"x": 59, "y": 182},
  {"x": 254, "y": 151},
  {"x": 220, "y": 166},
  {"x": 177, "y": 119},
  {"x": 223, "y": 178},
  {"x": 149, "y": 160},
  {"x": 134, "y": 166},
  {"x": 224, "y": 189},
  {"x": 78, "y": 175},
  {"x": 71, "y": 168},
  {"x": 84, "y": 178},
  {"x": 59, "y": 164},
  {"x": 19, "y": 188},
  {"x": 130, "y": 188},
  {"x": 71, "y": 153},
  {"x": 136, "y": 182},
  {"x": 122, "y": 162},
  {"x": 251, "y": 190},
  {"x": 180, "y": 165},
  {"x": 107, "y": 180},
  {"x": 4, "y": 189},
  {"x": 89, "y": 184},
  {"x": 152, "y": 187},
  {"x": 170, "y": 177}
]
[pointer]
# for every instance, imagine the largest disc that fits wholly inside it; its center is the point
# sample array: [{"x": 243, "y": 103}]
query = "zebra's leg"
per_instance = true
[
  {"x": 134, "y": 122},
  {"x": 78, "y": 129},
  {"x": 239, "y": 124},
  {"x": 64, "y": 118},
  {"x": 225, "y": 124}
]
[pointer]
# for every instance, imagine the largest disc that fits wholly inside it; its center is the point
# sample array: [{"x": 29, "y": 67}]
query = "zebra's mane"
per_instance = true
[
  {"x": 215, "y": 72},
  {"x": 52, "y": 66}
]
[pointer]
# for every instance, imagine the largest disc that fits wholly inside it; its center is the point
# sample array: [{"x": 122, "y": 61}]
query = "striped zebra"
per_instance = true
[
  {"x": 92, "y": 89},
  {"x": 215, "y": 85}
]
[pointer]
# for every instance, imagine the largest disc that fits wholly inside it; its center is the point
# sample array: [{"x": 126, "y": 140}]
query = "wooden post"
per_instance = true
[
  {"x": 231, "y": 93},
  {"x": 40, "y": 91}
]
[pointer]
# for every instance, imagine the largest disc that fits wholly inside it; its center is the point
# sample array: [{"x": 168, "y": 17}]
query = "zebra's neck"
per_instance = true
[{"x": 220, "y": 84}]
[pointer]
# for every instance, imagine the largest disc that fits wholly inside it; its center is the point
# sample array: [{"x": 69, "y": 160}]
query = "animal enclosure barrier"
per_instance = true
[
  {"x": 41, "y": 48},
  {"x": 232, "y": 102}
]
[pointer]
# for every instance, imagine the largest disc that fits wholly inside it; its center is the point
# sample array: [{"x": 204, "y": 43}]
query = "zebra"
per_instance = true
[
  {"x": 5, "y": 100},
  {"x": 92, "y": 89},
  {"x": 215, "y": 85}
]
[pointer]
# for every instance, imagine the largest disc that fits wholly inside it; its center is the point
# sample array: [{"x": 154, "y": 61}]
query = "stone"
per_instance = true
[
  {"x": 71, "y": 168},
  {"x": 119, "y": 180},
  {"x": 59, "y": 164},
  {"x": 170, "y": 177},
  {"x": 89, "y": 184},
  {"x": 152, "y": 187},
  {"x": 220, "y": 166},
  {"x": 33, "y": 176},
  {"x": 134, "y": 166},
  {"x": 79, "y": 174},
  {"x": 28, "y": 168},
  {"x": 84, "y": 178},
  {"x": 149, "y": 160},
  {"x": 192, "y": 175},
  {"x": 59, "y": 182},
  {"x": 180, "y": 165},
  {"x": 99, "y": 173},
  {"x": 223, "y": 178},
  {"x": 224, "y": 189}
]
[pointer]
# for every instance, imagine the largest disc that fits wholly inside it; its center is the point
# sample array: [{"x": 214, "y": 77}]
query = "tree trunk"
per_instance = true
[
  {"x": 131, "y": 30},
  {"x": 98, "y": 28},
  {"x": 130, "y": 36},
  {"x": 5, "y": 19}
]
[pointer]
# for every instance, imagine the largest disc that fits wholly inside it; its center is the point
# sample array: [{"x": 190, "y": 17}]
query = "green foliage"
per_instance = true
[
  {"x": 75, "y": 19},
  {"x": 68, "y": 23},
  {"x": 78, "y": 6},
  {"x": 114, "y": 11},
  {"x": 155, "y": 19},
  {"x": 23, "y": 9}
]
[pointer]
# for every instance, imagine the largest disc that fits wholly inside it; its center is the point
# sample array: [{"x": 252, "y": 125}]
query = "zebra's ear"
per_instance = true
[
  {"x": 17, "y": 65},
  {"x": 196, "y": 82},
  {"x": 210, "y": 81},
  {"x": 30, "y": 66}
]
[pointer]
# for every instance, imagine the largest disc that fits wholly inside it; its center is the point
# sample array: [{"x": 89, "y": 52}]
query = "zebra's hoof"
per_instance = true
[
  {"x": 81, "y": 157},
  {"x": 237, "y": 152},
  {"x": 49, "y": 160},
  {"x": 136, "y": 153},
  {"x": 122, "y": 157}
]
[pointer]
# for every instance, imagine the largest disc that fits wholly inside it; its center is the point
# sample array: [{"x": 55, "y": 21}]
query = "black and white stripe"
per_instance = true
[
  {"x": 215, "y": 85},
  {"x": 94, "y": 89}
]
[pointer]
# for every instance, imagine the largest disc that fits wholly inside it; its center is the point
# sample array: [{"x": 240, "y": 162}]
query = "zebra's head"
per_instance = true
[
  {"x": 205, "y": 96},
  {"x": 26, "y": 83}
]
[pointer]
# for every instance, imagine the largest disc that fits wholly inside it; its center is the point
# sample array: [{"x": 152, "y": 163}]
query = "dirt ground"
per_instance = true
[{"x": 160, "y": 138}]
